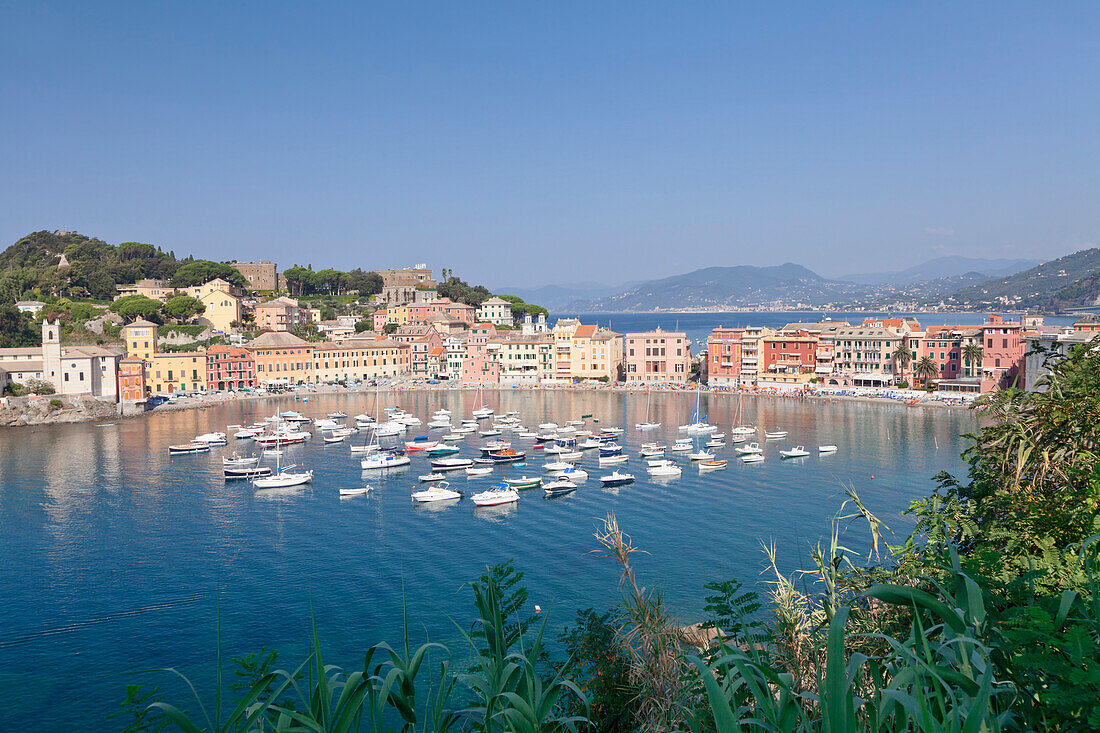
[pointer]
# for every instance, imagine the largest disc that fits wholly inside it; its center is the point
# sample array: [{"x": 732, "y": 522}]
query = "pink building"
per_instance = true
[
  {"x": 380, "y": 319},
  {"x": 420, "y": 349},
  {"x": 657, "y": 356},
  {"x": 1002, "y": 353},
  {"x": 788, "y": 353},
  {"x": 724, "y": 357},
  {"x": 480, "y": 365},
  {"x": 281, "y": 314}
]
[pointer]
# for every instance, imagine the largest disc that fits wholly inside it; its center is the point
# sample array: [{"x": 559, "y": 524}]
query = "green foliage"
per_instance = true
[
  {"x": 40, "y": 386},
  {"x": 601, "y": 670},
  {"x": 183, "y": 308},
  {"x": 361, "y": 326},
  {"x": 16, "y": 329},
  {"x": 460, "y": 291},
  {"x": 133, "y": 307},
  {"x": 389, "y": 328},
  {"x": 55, "y": 403},
  {"x": 197, "y": 272},
  {"x": 190, "y": 329},
  {"x": 136, "y": 713},
  {"x": 730, "y": 609}
]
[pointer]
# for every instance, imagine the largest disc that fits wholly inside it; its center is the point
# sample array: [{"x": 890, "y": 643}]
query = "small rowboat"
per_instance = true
[
  {"x": 826, "y": 449},
  {"x": 752, "y": 458},
  {"x": 357, "y": 491},
  {"x": 523, "y": 482},
  {"x": 712, "y": 465},
  {"x": 185, "y": 448},
  {"x": 432, "y": 477}
]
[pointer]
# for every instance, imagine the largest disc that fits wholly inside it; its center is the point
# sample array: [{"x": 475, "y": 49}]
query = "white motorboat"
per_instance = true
[
  {"x": 357, "y": 491},
  {"x": 574, "y": 423},
  {"x": 451, "y": 464},
  {"x": 431, "y": 477},
  {"x": 796, "y": 452},
  {"x": 557, "y": 466},
  {"x": 364, "y": 417},
  {"x": 826, "y": 449},
  {"x": 488, "y": 433},
  {"x": 496, "y": 497},
  {"x": 273, "y": 452},
  {"x": 574, "y": 474},
  {"x": 245, "y": 434},
  {"x": 526, "y": 434},
  {"x": 617, "y": 478},
  {"x": 613, "y": 460},
  {"x": 436, "y": 492},
  {"x": 558, "y": 487},
  {"x": 752, "y": 458},
  {"x": 368, "y": 448},
  {"x": 479, "y": 470},
  {"x": 679, "y": 447},
  {"x": 749, "y": 449},
  {"x": 481, "y": 411},
  {"x": 443, "y": 450},
  {"x": 345, "y": 432},
  {"x": 742, "y": 430},
  {"x": 775, "y": 434},
  {"x": 442, "y": 423},
  {"x": 666, "y": 470},
  {"x": 211, "y": 439},
  {"x": 384, "y": 460},
  {"x": 716, "y": 444},
  {"x": 338, "y": 415},
  {"x": 333, "y": 438},
  {"x": 653, "y": 450},
  {"x": 589, "y": 444},
  {"x": 654, "y": 463},
  {"x": 326, "y": 424},
  {"x": 701, "y": 455},
  {"x": 548, "y": 426},
  {"x": 452, "y": 437}
]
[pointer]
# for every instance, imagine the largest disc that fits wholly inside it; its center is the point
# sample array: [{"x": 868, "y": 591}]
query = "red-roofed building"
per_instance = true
[
  {"x": 229, "y": 368},
  {"x": 724, "y": 357}
]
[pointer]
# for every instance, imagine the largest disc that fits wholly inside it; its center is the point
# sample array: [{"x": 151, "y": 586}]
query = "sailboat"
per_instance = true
[
  {"x": 371, "y": 444},
  {"x": 282, "y": 478},
  {"x": 647, "y": 425},
  {"x": 697, "y": 425},
  {"x": 740, "y": 429},
  {"x": 481, "y": 411}
]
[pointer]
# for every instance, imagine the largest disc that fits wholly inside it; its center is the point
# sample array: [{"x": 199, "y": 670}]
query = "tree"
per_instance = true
[
  {"x": 299, "y": 280},
  {"x": 389, "y": 328},
  {"x": 367, "y": 283},
  {"x": 40, "y": 386},
  {"x": 925, "y": 369},
  {"x": 972, "y": 355},
  {"x": 132, "y": 307},
  {"x": 902, "y": 356},
  {"x": 329, "y": 280},
  {"x": 16, "y": 328},
  {"x": 361, "y": 326},
  {"x": 198, "y": 272},
  {"x": 183, "y": 308}
]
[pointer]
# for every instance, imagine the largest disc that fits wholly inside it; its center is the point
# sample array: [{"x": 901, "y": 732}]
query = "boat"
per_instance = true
[
  {"x": 559, "y": 487},
  {"x": 282, "y": 478},
  {"x": 716, "y": 444},
  {"x": 717, "y": 436},
  {"x": 384, "y": 460},
  {"x": 749, "y": 449},
  {"x": 610, "y": 449},
  {"x": 246, "y": 472},
  {"x": 431, "y": 477},
  {"x": 617, "y": 479},
  {"x": 548, "y": 426},
  {"x": 185, "y": 448},
  {"x": 614, "y": 430},
  {"x": 574, "y": 474},
  {"x": 574, "y": 423},
  {"x": 326, "y": 425},
  {"x": 697, "y": 424},
  {"x": 678, "y": 446},
  {"x": 273, "y": 451},
  {"x": 420, "y": 443},
  {"x": 481, "y": 411},
  {"x": 479, "y": 470},
  {"x": 740, "y": 428},
  {"x": 436, "y": 492},
  {"x": 712, "y": 465},
  {"x": 652, "y": 451},
  {"x": 775, "y": 434},
  {"x": 357, "y": 491},
  {"x": 451, "y": 464},
  {"x": 526, "y": 434},
  {"x": 555, "y": 466},
  {"x": 245, "y": 434},
  {"x": 658, "y": 462},
  {"x": 571, "y": 455},
  {"x": 507, "y": 455},
  {"x": 523, "y": 482},
  {"x": 211, "y": 439},
  {"x": 334, "y": 438},
  {"x": 668, "y": 469},
  {"x": 452, "y": 437},
  {"x": 701, "y": 455},
  {"x": 826, "y": 449},
  {"x": 612, "y": 460},
  {"x": 496, "y": 496},
  {"x": 238, "y": 461},
  {"x": 646, "y": 424},
  {"x": 752, "y": 457},
  {"x": 493, "y": 445},
  {"x": 488, "y": 433},
  {"x": 443, "y": 450},
  {"x": 796, "y": 452}
]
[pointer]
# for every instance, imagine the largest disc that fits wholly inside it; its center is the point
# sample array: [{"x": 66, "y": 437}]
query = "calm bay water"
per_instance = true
[{"x": 114, "y": 556}]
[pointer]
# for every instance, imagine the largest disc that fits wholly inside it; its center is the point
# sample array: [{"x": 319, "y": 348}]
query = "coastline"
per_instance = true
[{"x": 37, "y": 412}]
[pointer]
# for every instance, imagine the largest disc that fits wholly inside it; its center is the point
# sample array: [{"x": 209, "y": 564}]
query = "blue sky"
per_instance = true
[{"x": 533, "y": 143}]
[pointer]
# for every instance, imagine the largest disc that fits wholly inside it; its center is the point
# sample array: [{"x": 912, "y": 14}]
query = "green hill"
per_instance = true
[{"x": 1073, "y": 280}]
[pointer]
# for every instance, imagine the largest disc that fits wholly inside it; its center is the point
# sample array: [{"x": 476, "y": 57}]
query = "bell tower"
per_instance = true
[{"x": 51, "y": 353}]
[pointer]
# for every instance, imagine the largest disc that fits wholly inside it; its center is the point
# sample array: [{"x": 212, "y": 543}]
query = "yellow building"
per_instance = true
[
  {"x": 526, "y": 360},
  {"x": 359, "y": 358},
  {"x": 180, "y": 372},
  {"x": 223, "y": 309},
  {"x": 140, "y": 338},
  {"x": 398, "y": 314},
  {"x": 595, "y": 353},
  {"x": 155, "y": 289}
]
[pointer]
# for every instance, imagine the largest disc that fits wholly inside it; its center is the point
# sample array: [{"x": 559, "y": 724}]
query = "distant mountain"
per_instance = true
[
  {"x": 726, "y": 288},
  {"x": 565, "y": 297},
  {"x": 944, "y": 267},
  {"x": 1073, "y": 280}
]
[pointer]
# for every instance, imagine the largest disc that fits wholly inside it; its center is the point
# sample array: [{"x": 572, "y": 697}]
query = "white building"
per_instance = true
[
  {"x": 496, "y": 311},
  {"x": 77, "y": 370},
  {"x": 1057, "y": 345}
]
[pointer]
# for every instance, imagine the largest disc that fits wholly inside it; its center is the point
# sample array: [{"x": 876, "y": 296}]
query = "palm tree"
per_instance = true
[
  {"x": 925, "y": 369},
  {"x": 973, "y": 354},
  {"x": 902, "y": 356}
]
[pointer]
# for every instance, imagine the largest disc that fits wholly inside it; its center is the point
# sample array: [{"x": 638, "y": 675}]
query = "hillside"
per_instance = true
[
  {"x": 724, "y": 288},
  {"x": 941, "y": 268},
  {"x": 1073, "y": 280}
]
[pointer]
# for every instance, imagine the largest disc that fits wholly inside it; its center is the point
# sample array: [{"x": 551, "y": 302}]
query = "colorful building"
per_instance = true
[
  {"x": 496, "y": 311},
  {"x": 280, "y": 314},
  {"x": 724, "y": 357},
  {"x": 657, "y": 357},
  {"x": 171, "y": 373},
  {"x": 230, "y": 368},
  {"x": 282, "y": 359},
  {"x": 131, "y": 384}
]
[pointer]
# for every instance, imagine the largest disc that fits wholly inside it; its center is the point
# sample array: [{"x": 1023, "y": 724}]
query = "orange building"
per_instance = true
[
  {"x": 1087, "y": 326},
  {"x": 131, "y": 379},
  {"x": 282, "y": 359}
]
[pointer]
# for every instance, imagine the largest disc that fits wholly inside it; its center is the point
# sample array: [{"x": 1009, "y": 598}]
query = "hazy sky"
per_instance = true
[{"x": 527, "y": 143}]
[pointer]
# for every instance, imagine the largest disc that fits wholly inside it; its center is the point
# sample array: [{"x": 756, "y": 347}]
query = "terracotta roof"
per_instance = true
[
  {"x": 277, "y": 339},
  {"x": 584, "y": 332},
  {"x": 141, "y": 323}
]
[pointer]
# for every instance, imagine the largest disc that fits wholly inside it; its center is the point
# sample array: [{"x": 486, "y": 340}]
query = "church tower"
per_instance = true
[{"x": 51, "y": 353}]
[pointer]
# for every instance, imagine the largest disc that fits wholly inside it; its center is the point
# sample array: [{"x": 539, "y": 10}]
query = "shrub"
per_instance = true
[
  {"x": 55, "y": 403},
  {"x": 40, "y": 386}
]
